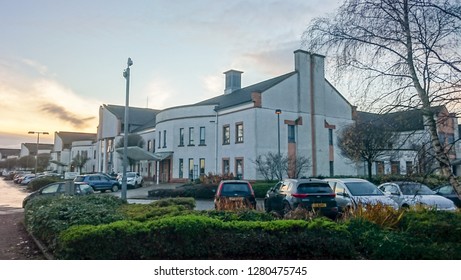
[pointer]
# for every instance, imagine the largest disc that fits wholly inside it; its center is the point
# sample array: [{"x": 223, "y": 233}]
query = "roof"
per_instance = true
[
  {"x": 243, "y": 95},
  {"x": 32, "y": 147},
  {"x": 137, "y": 116},
  {"x": 411, "y": 120},
  {"x": 9, "y": 152},
  {"x": 69, "y": 137}
]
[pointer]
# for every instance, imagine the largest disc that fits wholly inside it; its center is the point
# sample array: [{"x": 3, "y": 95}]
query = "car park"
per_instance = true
[
  {"x": 133, "y": 179},
  {"x": 352, "y": 192},
  {"x": 449, "y": 192},
  {"x": 60, "y": 188},
  {"x": 234, "y": 194},
  {"x": 310, "y": 194},
  {"x": 98, "y": 182},
  {"x": 411, "y": 194},
  {"x": 27, "y": 179}
]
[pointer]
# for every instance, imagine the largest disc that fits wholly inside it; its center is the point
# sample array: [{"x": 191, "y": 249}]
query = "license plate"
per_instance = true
[
  {"x": 319, "y": 205},
  {"x": 235, "y": 198}
]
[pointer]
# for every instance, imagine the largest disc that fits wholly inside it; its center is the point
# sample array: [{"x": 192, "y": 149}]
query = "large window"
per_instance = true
[
  {"x": 226, "y": 135},
  {"x": 332, "y": 168},
  {"x": 225, "y": 166},
  {"x": 191, "y": 169},
  {"x": 181, "y": 137},
  {"x": 202, "y": 166},
  {"x": 239, "y": 133},
  {"x": 291, "y": 134},
  {"x": 202, "y": 135},
  {"x": 181, "y": 168},
  {"x": 191, "y": 136}
]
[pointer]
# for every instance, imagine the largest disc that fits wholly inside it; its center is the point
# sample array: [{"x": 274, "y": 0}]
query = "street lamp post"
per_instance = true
[
  {"x": 38, "y": 141},
  {"x": 278, "y": 112},
  {"x": 126, "y": 74}
]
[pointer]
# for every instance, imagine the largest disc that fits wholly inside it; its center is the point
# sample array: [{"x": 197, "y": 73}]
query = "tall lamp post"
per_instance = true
[
  {"x": 38, "y": 141},
  {"x": 278, "y": 112},
  {"x": 126, "y": 74}
]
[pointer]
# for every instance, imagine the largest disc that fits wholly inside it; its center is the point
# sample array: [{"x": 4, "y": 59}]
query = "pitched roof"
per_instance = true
[
  {"x": 137, "y": 116},
  {"x": 32, "y": 147},
  {"x": 69, "y": 137},
  {"x": 243, "y": 95},
  {"x": 411, "y": 120}
]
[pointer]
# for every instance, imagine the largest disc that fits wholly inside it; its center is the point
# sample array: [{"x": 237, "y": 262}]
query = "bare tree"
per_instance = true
[
  {"x": 296, "y": 166},
  {"x": 79, "y": 161},
  {"x": 272, "y": 166},
  {"x": 407, "y": 51}
]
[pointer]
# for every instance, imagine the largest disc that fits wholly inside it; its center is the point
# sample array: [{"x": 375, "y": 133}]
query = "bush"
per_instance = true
[
  {"x": 46, "y": 217},
  {"x": 158, "y": 209},
  {"x": 38, "y": 183},
  {"x": 198, "y": 237},
  {"x": 261, "y": 188}
]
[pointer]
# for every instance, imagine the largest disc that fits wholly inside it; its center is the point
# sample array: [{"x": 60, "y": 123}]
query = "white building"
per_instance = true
[{"x": 225, "y": 134}]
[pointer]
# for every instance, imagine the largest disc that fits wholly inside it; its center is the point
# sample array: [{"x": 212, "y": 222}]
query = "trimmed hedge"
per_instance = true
[
  {"x": 199, "y": 237},
  {"x": 38, "y": 183}
]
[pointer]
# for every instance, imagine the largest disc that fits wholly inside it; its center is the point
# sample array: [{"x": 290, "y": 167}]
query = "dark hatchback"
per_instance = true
[
  {"x": 311, "y": 194},
  {"x": 234, "y": 194},
  {"x": 60, "y": 188}
]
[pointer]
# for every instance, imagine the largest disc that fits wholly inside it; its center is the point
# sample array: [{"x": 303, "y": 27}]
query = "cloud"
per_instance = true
[{"x": 65, "y": 115}]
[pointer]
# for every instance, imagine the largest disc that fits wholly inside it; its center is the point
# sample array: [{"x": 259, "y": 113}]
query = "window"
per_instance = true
[
  {"x": 239, "y": 133},
  {"x": 332, "y": 168},
  {"x": 181, "y": 168},
  {"x": 191, "y": 136},
  {"x": 379, "y": 168},
  {"x": 164, "y": 139},
  {"x": 239, "y": 168},
  {"x": 226, "y": 135},
  {"x": 395, "y": 167},
  {"x": 330, "y": 136},
  {"x": 409, "y": 167},
  {"x": 149, "y": 145},
  {"x": 191, "y": 169},
  {"x": 225, "y": 166},
  {"x": 202, "y": 166},
  {"x": 159, "y": 139},
  {"x": 291, "y": 134},
  {"x": 202, "y": 135},
  {"x": 181, "y": 137}
]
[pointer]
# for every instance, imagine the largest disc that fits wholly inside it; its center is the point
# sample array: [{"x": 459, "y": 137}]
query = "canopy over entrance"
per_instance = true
[{"x": 138, "y": 153}]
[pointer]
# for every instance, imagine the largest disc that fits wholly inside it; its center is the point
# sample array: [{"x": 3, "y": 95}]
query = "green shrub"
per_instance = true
[
  {"x": 38, "y": 183},
  {"x": 158, "y": 209},
  {"x": 46, "y": 217},
  {"x": 239, "y": 215},
  {"x": 199, "y": 237},
  {"x": 261, "y": 188}
]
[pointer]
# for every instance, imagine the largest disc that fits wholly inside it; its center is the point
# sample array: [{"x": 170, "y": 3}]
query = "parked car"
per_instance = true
[
  {"x": 449, "y": 192},
  {"x": 60, "y": 188},
  {"x": 98, "y": 182},
  {"x": 311, "y": 194},
  {"x": 133, "y": 179},
  {"x": 27, "y": 179},
  {"x": 232, "y": 194},
  {"x": 352, "y": 192},
  {"x": 408, "y": 194}
]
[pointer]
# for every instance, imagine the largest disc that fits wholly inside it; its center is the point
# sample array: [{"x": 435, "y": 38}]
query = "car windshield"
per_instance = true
[
  {"x": 235, "y": 188},
  {"x": 314, "y": 188},
  {"x": 363, "y": 188},
  {"x": 79, "y": 179},
  {"x": 415, "y": 189},
  {"x": 130, "y": 175}
]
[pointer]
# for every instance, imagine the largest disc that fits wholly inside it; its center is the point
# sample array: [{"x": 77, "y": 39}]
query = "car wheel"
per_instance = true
[
  {"x": 286, "y": 208},
  {"x": 114, "y": 188}
]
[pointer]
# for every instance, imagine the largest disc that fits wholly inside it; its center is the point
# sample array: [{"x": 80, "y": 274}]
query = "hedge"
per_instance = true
[{"x": 199, "y": 237}]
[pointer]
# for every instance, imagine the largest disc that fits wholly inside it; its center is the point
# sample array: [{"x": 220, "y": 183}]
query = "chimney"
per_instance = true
[{"x": 233, "y": 81}]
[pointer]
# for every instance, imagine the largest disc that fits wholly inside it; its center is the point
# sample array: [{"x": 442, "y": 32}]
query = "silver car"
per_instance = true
[
  {"x": 408, "y": 194},
  {"x": 351, "y": 192}
]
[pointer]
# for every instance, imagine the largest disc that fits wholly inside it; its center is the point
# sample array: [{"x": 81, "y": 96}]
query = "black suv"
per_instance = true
[{"x": 311, "y": 194}]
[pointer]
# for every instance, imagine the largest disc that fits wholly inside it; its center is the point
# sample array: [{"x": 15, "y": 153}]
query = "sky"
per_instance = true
[{"x": 61, "y": 60}]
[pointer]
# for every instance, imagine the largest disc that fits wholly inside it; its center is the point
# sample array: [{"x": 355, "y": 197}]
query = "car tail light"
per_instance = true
[{"x": 300, "y": 195}]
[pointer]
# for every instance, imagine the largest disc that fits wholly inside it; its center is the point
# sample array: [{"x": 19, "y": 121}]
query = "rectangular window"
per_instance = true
[
  {"x": 153, "y": 146},
  {"x": 202, "y": 135},
  {"x": 164, "y": 139},
  {"x": 159, "y": 139},
  {"x": 225, "y": 166},
  {"x": 409, "y": 167},
  {"x": 239, "y": 168},
  {"x": 181, "y": 168},
  {"x": 149, "y": 145},
  {"x": 191, "y": 169},
  {"x": 291, "y": 134},
  {"x": 379, "y": 168},
  {"x": 395, "y": 167},
  {"x": 226, "y": 135},
  {"x": 239, "y": 133},
  {"x": 191, "y": 136},
  {"x": 181, "y": 137},
  {"x": 332, "y": 168},
  {"x": 330, "y": 136},
  {"x": 202, "y": 166}
]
